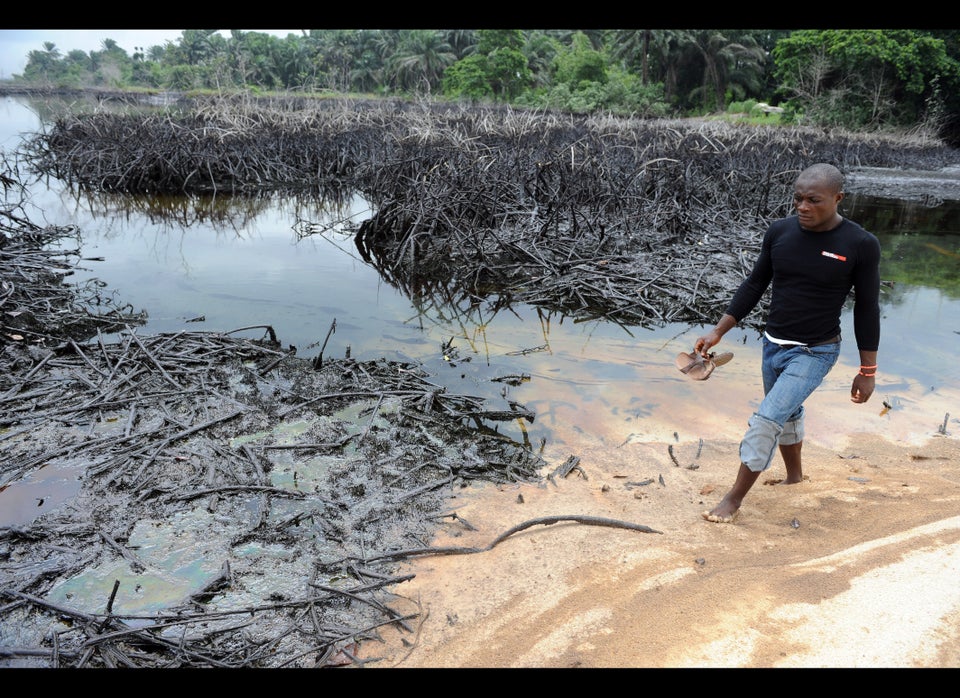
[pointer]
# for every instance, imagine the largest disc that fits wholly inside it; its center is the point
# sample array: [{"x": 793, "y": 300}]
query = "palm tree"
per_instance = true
[
  {"x": 540, "y": 50},
  {"x": 156, "y": 53},
  {"x": 462, "y": 41},
  {"x": 367, "y": 72},
  {"x": 747, "y": 72},
  {"x": 295, "y": 63},
  {"x": 334, "y": 52},
  {"x": 43, "y": 65},
  {"x": 387, "y": 46},
  {"x": 667, "y": 49},
  {"x": 196, "y": 46},
  {"x": 630, "y": 47},
  {"x": 423, "y": 56},
  {"x": 596, "y": 36},
  {"x": 51, "y": 50},
  {"x": 719, "y": 57}
]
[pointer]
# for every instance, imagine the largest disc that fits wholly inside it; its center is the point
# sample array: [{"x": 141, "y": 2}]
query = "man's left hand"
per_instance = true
[{"x": 862, "y": 388}]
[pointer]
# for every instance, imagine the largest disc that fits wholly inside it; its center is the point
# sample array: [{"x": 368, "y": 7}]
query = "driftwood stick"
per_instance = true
[
  {"x": 255, "y": 462},
  {"x": 53, "y": 653},
  {"x": 568, "y": 466},
  {"x": 22, "y": 467},
  {"x": 279, "y": 491},
  {"x": 57, "y": 608},
  {"x": 318, "y": 362},
  {"x": 588, "y": 520},
  {"x": 355, "y": 593},
  {"x": 218, "y": 583},
  {"x": 192, "y": 430},
  {"x": 134, "y": 561},
  {"x": 273, "y": 364},
  {"x": 27, "y": 377},
  {"x": 268, "y": 328},
  {"x": 308, "y": 447},
  {"x": 86, "y": 360},
  {"x": 373, "y": 417},
  {"x": 131, "y": 419},
  {"x": 542, "y": 521},
  {"x": 103, "y": 349},
  {"x": 150, "y": 639},
  {"x": 425, "y": 488},
  {"x": 351, "y": 393},
  {"x": 154, "y": 361}
]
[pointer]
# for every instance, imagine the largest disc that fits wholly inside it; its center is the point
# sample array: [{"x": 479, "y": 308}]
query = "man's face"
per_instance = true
[{"x": 816, "y": 205}]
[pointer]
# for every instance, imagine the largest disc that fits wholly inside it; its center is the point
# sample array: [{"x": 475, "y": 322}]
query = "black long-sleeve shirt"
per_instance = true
[{"x": 812, "y": 274}]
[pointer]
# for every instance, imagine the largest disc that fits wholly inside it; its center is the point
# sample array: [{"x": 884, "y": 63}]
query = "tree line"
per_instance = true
[{"x": 848, "y": 78}]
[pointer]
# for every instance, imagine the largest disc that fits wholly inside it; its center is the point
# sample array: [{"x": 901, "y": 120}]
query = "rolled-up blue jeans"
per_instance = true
[{"x": 790, "y": 374}]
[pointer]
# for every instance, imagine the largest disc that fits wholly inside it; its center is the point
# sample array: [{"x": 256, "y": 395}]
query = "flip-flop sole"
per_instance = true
[
  {"x": 694, "y": 366},
  {"x": 685, "y": 361},
  {"x": 699, "y": 368},
  {"x": 702, "y": 372},
  {"x": 722, "y": 358}
]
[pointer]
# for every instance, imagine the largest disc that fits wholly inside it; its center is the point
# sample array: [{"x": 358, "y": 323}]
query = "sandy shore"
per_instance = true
[{"x": 855, "y": 567}]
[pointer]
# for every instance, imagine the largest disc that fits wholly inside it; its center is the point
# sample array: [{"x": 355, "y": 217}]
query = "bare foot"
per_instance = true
[
  {"x": 784, "y": 481},
  {"x": 716, "y": 515}
]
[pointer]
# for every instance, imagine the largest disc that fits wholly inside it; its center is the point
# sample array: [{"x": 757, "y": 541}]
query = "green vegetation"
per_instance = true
[
  {"x": 859, "y": 79},
  {"x": 922, "y": 260}
]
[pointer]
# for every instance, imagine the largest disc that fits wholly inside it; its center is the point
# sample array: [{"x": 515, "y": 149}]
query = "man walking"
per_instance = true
[{"x": 813, "y": 260}]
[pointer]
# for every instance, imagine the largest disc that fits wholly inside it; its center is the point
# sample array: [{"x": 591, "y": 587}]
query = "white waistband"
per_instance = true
[{"x": 783, "y": 341}]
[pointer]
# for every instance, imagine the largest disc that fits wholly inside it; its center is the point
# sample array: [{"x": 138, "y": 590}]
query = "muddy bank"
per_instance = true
[{"x": 929, "y": 187}]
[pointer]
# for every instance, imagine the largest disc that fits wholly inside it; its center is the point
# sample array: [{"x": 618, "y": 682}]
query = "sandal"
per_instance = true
[{"x": 700, "y": 367}]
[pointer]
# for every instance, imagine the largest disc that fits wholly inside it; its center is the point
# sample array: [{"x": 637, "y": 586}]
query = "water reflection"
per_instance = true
[
  {"x": 920, "y": 245},
  {"x": 218, "y": 211}
]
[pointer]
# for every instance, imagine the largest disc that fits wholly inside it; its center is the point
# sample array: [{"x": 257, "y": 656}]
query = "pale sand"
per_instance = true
[{"x": 857, "y": 566}]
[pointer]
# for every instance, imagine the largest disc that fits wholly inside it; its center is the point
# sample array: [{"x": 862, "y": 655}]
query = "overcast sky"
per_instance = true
[{"x": 16, "y": 44}]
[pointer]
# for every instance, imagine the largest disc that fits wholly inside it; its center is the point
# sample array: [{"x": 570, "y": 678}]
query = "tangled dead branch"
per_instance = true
[
  {"x": 634, "y": 221},
  {"x": 298, "y": 479}
]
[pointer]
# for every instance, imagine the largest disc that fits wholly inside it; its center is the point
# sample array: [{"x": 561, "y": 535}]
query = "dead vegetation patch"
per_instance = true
[
  {"x": 640, "y": 222},
  {"x": 329, "y": 470}
]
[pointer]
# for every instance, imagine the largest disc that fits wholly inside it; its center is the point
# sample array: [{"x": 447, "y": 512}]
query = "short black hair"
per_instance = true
[{"x": 826, "y": 173}]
